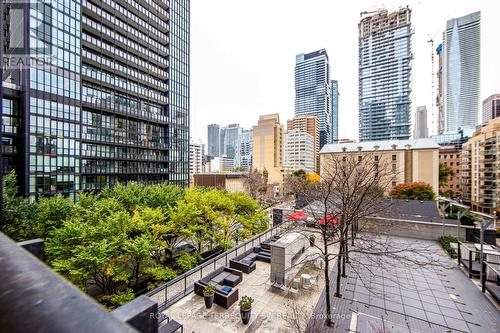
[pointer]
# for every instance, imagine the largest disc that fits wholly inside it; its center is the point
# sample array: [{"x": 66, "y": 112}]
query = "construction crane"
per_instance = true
[
  {"x": 431, "y": 41},
  {"x": 366, "y": 12}
]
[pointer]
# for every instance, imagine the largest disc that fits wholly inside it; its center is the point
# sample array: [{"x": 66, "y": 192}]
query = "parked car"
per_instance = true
[{"x": 183, "y": 247}]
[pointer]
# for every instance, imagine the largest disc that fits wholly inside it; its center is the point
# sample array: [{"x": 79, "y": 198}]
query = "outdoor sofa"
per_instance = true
[{"x": 224, "y": 280}]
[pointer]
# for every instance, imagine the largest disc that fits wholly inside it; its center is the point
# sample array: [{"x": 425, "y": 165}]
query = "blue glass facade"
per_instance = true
[
  {"x": 385, "y": 76},
  {"x": 312, "y": 91},
  {"x": 53, "y": 106},
  {"x": 334, "y": 86}
]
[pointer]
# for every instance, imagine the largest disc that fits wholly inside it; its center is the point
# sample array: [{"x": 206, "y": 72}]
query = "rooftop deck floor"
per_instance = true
[
  {"x": 272, "y": 310},
  {"x": 390, "y": 297}
]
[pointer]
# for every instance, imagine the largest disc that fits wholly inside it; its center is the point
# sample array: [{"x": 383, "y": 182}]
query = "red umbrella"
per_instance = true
[
  {"x": 330, "y": 219},
  {"x": 297, "y": 216}
]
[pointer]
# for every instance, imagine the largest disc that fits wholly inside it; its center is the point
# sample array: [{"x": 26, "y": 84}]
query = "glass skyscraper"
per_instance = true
[
  {"x": 111, "y": 106},
  {"x": 312, "y": 91},
  {"x": 384, "y": 75},
  {"x": 229, "y": 139},
  {"x": 334, "y": 86},
  {"x": 213, "y": 140},
  {"x": 461, "y": 72}
]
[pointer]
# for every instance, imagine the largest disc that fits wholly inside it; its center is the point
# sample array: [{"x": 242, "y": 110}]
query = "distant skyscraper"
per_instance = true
[
  {"x": 334, "y": 95},
  {"x": 213, "y": 140},
  {"x": 312, "y": 91},
  {"x": 310, "y": 125},
  {"x": 384, "y": 75},
  {"x": 491, "y": 108},
  {"x": 299, "y": 151},
  {"x": 420, "y": 131},
  {"x": 195, "y": 160},
  {"x": 268, "y": 147},
  {"x": 245, "y": 149},
  {"x": 461, "y": 72},
  {"x": 229, "y": 140}
]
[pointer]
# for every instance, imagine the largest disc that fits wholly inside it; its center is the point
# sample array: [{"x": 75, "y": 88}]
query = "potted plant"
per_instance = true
[
  {"x": 209, "y": 293},
  {"x": 312, "y": 238},
  {"x": 246, "y": 309}
]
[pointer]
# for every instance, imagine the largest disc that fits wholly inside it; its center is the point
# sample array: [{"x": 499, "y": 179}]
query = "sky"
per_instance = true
[{"x": 243, "y": 55}]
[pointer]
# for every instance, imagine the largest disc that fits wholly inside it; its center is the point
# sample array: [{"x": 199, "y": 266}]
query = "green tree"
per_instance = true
[
  {"x": 444, "y": 174},
  {"x": 413, "y": 191},
  {"x": 18, "y": 214},
  {"x": 51, "y": 213}
]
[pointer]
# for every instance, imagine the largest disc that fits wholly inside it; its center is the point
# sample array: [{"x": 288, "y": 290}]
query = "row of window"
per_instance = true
[
  {"x": 54, "y": 84},
  {"x": 119, "y": 23},
  {"x": 101, "y": 44},
  {"x": 104, "y": 166},
  {"x": 114, "y": 102},
  {"x": 123, "y": 83},
  {"x": 48, "y": 126},
  {"x": 126, "y": 41},
  {"x": 107, "y": 151},
  {"x": 53, "y": 109},
  {"x": 128, "y": 14},
  {"x": 127, "y": 71}
]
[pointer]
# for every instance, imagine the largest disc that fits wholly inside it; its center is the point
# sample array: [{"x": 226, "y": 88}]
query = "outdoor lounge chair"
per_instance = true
[
  {"x": 224, "y": 280},
  {"x": 245, "y": 262}
]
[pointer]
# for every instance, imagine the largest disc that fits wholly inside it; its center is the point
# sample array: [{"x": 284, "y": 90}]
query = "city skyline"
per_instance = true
[{"x": 268, "y": 88}]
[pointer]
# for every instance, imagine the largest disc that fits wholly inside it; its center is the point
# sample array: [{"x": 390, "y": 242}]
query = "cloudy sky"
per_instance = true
[{"x": 243, "y": 54}]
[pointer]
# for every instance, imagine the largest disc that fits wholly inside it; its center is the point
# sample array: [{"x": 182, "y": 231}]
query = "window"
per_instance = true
[
  {"x": 393, "y": 157},
  {"x": 376, "y": 158}
]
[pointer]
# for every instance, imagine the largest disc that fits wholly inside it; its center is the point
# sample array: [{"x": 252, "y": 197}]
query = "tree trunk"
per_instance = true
[
  {"x": 339, "y": 273},
  {"x": 329, "y": 321}
]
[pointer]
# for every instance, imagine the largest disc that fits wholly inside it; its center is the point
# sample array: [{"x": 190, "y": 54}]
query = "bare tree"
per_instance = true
[{"x": 352, "y": 189}]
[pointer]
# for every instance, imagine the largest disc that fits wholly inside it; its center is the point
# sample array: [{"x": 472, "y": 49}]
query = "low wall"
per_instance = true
[{"x": 412, "y": 229}]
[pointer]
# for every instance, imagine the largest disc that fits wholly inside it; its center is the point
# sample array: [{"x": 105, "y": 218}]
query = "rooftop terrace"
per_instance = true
[{"x": 383, "y": 295}]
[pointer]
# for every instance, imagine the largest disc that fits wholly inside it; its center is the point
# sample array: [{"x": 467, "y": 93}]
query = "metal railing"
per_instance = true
[
  {"x": 174, "y": 290},
  {"x": 468, "y": 258}
]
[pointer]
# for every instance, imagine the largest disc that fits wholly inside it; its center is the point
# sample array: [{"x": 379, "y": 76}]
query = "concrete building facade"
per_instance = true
[
  {"x": 268, "y": 147},
  {"x": 407, "y": 160},
  {"x": 450, "y": 156},
  {"x": 480, "y": 164},
  {"x": 385, "y": 55},
  {"x": 195, "y": 160},
  {"x": 299, "y": 151},
  {"x": 491, "y": 108},
  {"x": 310, "y": 125}
]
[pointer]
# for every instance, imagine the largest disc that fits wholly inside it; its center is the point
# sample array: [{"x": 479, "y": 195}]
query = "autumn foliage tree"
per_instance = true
[{"x": 413, "y": 191}]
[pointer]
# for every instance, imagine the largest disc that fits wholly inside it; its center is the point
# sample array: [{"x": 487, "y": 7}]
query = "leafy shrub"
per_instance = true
[
  {"x": 446, "y": 241},
  {"x": 187, "y": 261},
  {"x": 115, "y": 300}
]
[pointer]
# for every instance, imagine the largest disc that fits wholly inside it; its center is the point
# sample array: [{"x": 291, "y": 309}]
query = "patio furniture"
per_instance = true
[
  {"x": 224, "y": 280},
  {"x": 315, "y": 281},
  {"x": 294, "y": 288},
  {"x": 306, "y": 281},
  {"x": 319, "y": 263}
]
